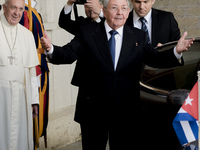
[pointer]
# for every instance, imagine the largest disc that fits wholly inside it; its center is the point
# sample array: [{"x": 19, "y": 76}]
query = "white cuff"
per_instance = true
[
  {"x": 49, "y": 53},
  {"x": 178, "y": 56},
  {"x": 34, "y": 90},
  {"x": 67, "y": 9}
]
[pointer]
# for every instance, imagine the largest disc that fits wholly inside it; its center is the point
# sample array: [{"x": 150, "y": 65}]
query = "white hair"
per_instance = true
[
  {"x": 105, "y": 3},
  {"x": 6, "y": 2}
]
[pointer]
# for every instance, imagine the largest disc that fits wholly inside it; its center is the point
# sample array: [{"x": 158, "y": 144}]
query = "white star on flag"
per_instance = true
[{"x": 188, "y": 101}]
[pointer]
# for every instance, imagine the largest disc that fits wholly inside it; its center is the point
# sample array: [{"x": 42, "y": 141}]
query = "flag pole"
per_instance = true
[
  {"x": 198, "y": 74},
  {"x": 30, "y": 16}
]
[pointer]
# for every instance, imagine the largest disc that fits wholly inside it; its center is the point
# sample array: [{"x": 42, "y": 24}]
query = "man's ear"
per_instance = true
[
  {"x": 104, "y": 11},
  {"x": 153, "y": 1}
]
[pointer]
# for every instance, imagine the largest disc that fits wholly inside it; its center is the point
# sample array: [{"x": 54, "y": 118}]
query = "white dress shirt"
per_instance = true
[
  {"x": 118, "y": 41},
  {"x": 138, "y": 24}
]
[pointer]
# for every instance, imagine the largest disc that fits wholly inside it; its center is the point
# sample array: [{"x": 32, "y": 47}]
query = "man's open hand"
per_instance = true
[{"x": 184, "y": 44}]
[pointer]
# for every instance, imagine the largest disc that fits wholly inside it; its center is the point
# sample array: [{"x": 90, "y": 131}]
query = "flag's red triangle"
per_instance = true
[{"x": 191, "y": 103}]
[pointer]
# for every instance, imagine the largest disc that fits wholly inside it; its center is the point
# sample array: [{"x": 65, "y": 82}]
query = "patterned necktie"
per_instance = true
[
  {"x": 112, "y": 44},
  {"x": 144, "y": 28}
]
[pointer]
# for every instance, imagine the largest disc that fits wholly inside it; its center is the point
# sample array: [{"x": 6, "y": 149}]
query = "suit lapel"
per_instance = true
[
  {"x": 103, "y": 47},
  {"x": 127, "y": 46}
]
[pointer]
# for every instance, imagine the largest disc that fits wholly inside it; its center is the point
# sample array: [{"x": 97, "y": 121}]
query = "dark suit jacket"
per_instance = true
[
  {"x": 70, "y": 25},
  {"x": 164, "y": 27},
  {"x": 101, "y": 89}
]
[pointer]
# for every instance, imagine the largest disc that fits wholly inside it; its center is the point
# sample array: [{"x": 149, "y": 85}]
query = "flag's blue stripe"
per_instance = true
[
  {"x": 194, "y": 128},
  {"x": 39, "y": 25},
  {"x": 35, "y": 30},
  {"x": 184, "y": 117},
  {"x": 178, "y": 127},
  {"x": 179, "y": 132}
]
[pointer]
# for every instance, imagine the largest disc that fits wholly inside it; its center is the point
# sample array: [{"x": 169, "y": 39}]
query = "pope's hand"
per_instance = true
[
  {"x": 46, "y": 42},
  {"x": 184, "y": 44}
]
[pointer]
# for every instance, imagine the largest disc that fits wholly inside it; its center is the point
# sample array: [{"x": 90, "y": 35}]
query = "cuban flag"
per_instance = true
[{"x": 186, "y": 121}]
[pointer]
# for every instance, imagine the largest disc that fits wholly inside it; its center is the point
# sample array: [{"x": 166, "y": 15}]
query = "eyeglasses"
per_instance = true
[{"x": 116, "y": 8}]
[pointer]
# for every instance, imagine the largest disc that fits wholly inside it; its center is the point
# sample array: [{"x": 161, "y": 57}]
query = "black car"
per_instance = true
[{"x": 163, "y": 91}]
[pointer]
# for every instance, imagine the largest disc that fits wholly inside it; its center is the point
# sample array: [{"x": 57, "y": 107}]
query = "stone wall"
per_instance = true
[
  {"x": 186, "y": 12},
  {"x": 62, "y": 130}
]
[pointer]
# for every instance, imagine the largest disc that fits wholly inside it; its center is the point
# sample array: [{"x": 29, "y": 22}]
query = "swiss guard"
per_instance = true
[{"x": 32, "y": 20}]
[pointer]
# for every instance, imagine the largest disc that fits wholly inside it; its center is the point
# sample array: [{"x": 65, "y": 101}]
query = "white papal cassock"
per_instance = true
[{"x": 18, "y": 86}]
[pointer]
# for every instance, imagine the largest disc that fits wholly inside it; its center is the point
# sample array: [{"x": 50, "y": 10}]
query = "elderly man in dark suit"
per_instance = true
[
  {"x": 162, "y": 26},
  {"x": 110, "y": 56}
]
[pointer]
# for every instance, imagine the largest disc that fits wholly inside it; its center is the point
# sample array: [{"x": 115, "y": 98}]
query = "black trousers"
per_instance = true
[{"x": 121, "y": 133}]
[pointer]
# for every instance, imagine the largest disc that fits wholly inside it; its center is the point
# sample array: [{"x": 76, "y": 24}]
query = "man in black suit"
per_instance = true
[
  {"x": 162, "y": 26},
  {"x": 108, "y": 102},
  {"x": 92, "y": 11}
]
